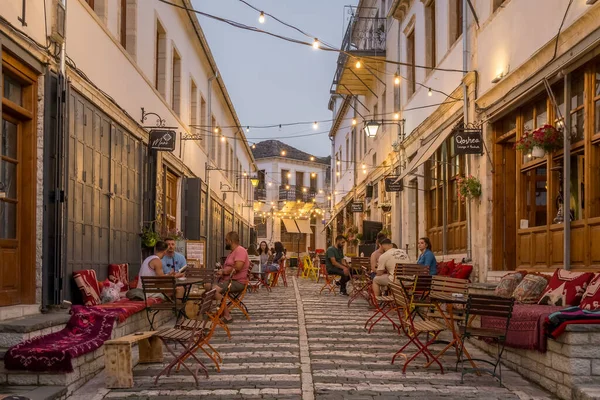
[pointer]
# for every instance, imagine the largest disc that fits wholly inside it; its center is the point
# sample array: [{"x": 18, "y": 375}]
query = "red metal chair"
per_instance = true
[
  {"x": 280, "y": 274},
  {"x": 330, "y": 280}
]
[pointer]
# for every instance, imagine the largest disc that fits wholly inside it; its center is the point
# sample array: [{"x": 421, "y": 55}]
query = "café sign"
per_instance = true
[
  {"x": 358, "y": 207},
  {"x": 468, "y": 140},
  {"x": 392, "y": 186},
  {"x": 162, "y": 140}
]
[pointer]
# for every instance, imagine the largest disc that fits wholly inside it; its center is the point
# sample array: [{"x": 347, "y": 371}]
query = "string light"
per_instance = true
[
  {"x": 429, "y": 93},
  {"x": 217, "y": 129},
  {"x": 253, "y": 146},
  {"x": 363, "y": 166},
  {"x": 223, "y": 139},
  {"x": 289, "y": 175},
  {"x": 304, "y": 189},
  {"x": 338, "y": 163},
  {"x": 270, "y": 183},
  {"x": 328, "y": 197},
  {"x": 315, "y": 125},
  {"x": 337, "y": 174},
  {"x": 245, "y": 174},
  {"x": 313, "y": 174},
  {"x": 354, "y": 121},
  {"x": 358, "y": 64},
  {"x": 287, "y": 187},
  {"x": 364, "y": 171},
  {"x": 261, "y": 17},
  {"x": 396, "y": 79},
  {"x": 316, "y": 44},
  {"x": 397, "y": 116},
  {"x": 320, "y": 191},
  {"x": 312, "y": 158},
  {"x": 247, "y": 129},
  {"x": 283, "y": 152}
]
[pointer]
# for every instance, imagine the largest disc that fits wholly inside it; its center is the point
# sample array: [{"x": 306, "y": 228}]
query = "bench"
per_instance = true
[{"x": 118, "y": 359}]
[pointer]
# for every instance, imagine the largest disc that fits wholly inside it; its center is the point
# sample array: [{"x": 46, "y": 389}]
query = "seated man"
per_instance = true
[
  {"x": 335, "y": 263},
  {"x": 237, "y": 262},
  {"x": 172, "y": 261},
  {"x": 386, "y": 266},
  {"x": 152, "y": 266},
  {"x": 376, "y": 254}
]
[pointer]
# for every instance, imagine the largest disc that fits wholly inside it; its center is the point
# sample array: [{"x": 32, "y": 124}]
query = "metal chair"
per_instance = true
[
  {"x": 330, "y": 280},
  {"x": 361, "y": 281},
  {"x": 167, "y": 287},
  {"x": 479, "y": 305}
]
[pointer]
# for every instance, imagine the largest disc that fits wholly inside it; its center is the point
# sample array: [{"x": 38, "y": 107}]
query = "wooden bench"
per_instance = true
[{"x": 118, "y": 359}]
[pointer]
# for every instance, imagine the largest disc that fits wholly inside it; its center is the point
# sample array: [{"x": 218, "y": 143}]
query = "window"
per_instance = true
[
  {"x": 176, "y": 83},
  {"x": 202, "y": 121},
  {"x": 219, "y": 150},
  {"x": 577, "y": 105},
  {"x": 430, "y": 47},
  {"x": 384, "y": 107},
  {"x": 456, "y": 20},
  {"x": 285, "y": 179},
  {"x": 498, "y": 4},
  {"x": 213, "y": 139},
  {"x": 313, "y": 182},
  {"x": 170, "y": 216},
  {"x": 376, "y": 191},
  {"x": 410, "y": 60},
  {"x": 347, "y": 152},
  {"x": 226, "y": 166},
  {"x": 299, "y": 180},
  {"x": 261, "y": 179},
  {"x": 160, "y": 60},
  {"x": 231, "y": 164},
  {"x": 364, "y": 138},
  {"x": 193, "y": 103},
  {"x": 128, "y": 28},
  {"x": 374, "y": 160}
]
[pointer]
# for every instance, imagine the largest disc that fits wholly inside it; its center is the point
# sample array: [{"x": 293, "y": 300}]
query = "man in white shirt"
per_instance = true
[{"x": 386, "y": 265}]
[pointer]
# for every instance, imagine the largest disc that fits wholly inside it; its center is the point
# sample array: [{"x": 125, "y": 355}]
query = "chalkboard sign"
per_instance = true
[
  {"x": 392, "y": 186},
  {"x": 358, "y": 207},
  {"x": 468, "y": 141},
  {"x": 196, "y": 249},
  {"x": 162, "y": 140}
]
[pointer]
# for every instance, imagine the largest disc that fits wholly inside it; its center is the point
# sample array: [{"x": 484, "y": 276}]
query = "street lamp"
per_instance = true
[{"x": 371, "y": 128}]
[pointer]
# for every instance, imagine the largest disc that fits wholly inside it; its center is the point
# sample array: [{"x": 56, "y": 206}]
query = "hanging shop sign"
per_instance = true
[
  {"x": 468, "y": 139},
  {"x": 162, "y": 140},
  {"x": 358, "y": 207},
  {"x": 392, "y": 186}
]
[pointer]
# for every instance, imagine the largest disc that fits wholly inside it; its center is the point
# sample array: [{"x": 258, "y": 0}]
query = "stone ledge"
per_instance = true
[
  {"x": 583, "y": 328},
  {"x": 34, "y": 323},
  {"x": 36, "y": 393}
]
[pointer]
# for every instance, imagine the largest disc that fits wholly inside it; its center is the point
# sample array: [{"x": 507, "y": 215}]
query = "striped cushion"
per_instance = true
[{"x": 88, "y": 285}]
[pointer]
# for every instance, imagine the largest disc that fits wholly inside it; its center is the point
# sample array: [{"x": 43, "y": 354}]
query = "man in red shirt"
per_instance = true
[{"x": 237, "y": 262}]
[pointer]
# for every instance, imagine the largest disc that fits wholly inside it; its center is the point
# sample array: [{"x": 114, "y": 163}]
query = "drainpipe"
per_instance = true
[
  {"x": 235, "y": 179},
  {"x": 466, "y": 115},
  {"x": 207, "y": 172},
  {"x": 567, "y": 177}
]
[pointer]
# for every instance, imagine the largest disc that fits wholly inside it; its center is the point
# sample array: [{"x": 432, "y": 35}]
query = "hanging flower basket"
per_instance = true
[
  {"x": 469, "y": 188},
  {"x": 149, "y": 236},
  {"x": 386, "y": 207},
  {"x": 547, "y": 138}
]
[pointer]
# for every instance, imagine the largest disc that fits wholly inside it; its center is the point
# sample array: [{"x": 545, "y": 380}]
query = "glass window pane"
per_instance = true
[
  {"x": 577, "y": 125},
  {"x": 597, "y": 111},
  {"x": 528, "y": 119},
  {"x": 8, "y": 180},
  {"x": 597, "y": 91},
  {"x": 541, "y": 113},
  {"x": 13, "y": 90},
  {"x": 8, "y": 220},
  {"x": 454, "y": 201},
  {"x": 559, "y": 95},
  {"x": 577, "y": 85},
  {"x": 8, "y": 143}
]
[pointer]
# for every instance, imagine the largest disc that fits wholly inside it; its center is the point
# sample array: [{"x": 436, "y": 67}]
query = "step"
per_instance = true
[
  {"x": 16, "y": 330},
  {"x": 35, "y": 392}
]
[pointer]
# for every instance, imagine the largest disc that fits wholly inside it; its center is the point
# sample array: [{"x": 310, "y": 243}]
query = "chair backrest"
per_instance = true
[
  {"x": 411, "y": 269},
  {"x": 322, "y": 258},
  {"x": 447, "y": 286},
  {"x": 165, "y": 285},
  {"x": 207, "y": 302},
  {"x": 400, "y": 297},
  {"x": 489, "y": 306},
  {"x": 358, "y": 262},
  {"x": 200, "y": 273},
  {"x": 307, "y": 261}
]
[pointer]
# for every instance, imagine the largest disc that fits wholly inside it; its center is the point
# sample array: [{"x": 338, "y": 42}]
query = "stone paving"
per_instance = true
[{"x": 302, "y": 345}]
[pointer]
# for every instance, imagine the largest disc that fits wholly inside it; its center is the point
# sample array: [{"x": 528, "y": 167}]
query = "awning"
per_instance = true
[
  {"x": 290, "y": 225},
  {"x": 425, "y": 152},
  {"x": 304, "y": 226}
]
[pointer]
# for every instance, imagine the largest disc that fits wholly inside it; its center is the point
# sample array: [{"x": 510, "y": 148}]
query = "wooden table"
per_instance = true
[
  {"x": 187, "y": 284},
  {"x": 118, "y": 359}
]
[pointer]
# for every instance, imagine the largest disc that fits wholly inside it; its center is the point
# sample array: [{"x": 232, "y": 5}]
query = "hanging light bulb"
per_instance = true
[
  {"x": 337, "y": 174},
  {"x": 222, "y": 138},
  {"x": 354, "y": 121},
  {"x": 358, "y": 64},
  {"x": 261, "y": 17},
  {"x": 328, "y": 197},
  {"x": 396, "y": 115},
  {"x": 287, "y": 187},
  {"x": 313, "y": 175},
  {"x": 289, "y": 174},
  {"x": 217, "y": 129},
  {"x": 245, "y": 173},
  {"x": 253, "y": 146},
  {"x": 338, "y": 163},
  {"x": 429, "y": 92},
  {"x": 270, "y": 183},
  {"x": 320, "y": 191},
  {"x": 272, "y": 203},
  {"x": 283, "y": 152},
  {"x": 304, "y": 190},
  {"x": 364, "y": 166},
  {"x": 312, "y": 158},
  {"x": 247, "y": 129},
  {"x": 315, "y": 125},
  {"x": 396, "y": 79},
  {"x": 316, "y": 44}
]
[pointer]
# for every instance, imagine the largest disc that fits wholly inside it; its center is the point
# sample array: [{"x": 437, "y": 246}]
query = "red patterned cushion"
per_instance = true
[
  {"x": 462, "y": 271},
  {"x": 591, "y": 297},
  {"x": 508, "y": 284},
  {"x": 134, "y": 282},
  {"x": 119, "y": 273},
  {"x": 530, "y": 289},
  {"x": 88, "y": 285},
  {"x": 566, "y": 288},
  {"x": 446, "y": 268}
]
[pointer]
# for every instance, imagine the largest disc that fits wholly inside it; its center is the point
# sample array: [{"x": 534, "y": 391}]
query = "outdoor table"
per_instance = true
[
  {"x": 187, "y": 284},
  {"x": 447, "y": 299}
]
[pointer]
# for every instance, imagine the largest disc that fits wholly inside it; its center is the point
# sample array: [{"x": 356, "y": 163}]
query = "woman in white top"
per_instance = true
[{"x": 152, "y": 266}]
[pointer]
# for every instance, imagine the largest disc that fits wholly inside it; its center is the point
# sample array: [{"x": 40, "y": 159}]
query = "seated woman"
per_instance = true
[
  {"x": 263, "y": 253},
  {"x": 279, "y": 256},
  {"x": 427, "y": 257}
]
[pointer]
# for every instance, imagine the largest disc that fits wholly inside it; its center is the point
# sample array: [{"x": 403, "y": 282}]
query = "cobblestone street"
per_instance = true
[{"x": 299, "y": 345}]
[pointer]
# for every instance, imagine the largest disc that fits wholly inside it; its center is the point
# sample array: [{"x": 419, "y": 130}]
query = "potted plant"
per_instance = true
[
  {"x": 149, "y": 236},
  {"x": 468, "y": 188},
  {"x": 386, "y": 206},
  {"x": 525, "y": 143},
  {"x": 386, "y": 232},
  {"x": 546, "y": 139}
]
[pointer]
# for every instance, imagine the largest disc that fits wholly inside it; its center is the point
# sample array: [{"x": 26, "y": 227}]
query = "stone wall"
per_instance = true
[{"x": 571, "y": 362}]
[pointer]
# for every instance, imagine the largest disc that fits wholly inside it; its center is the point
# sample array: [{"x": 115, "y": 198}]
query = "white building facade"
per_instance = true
[{"x": 130, "y": 67}]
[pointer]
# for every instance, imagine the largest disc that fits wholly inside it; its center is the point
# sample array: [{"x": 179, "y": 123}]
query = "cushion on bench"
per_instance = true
[
  {"x": 125, "y": 308},
  {"x": 591, "y": 298},
  {"x": 87, "y": 283},
  {"x": 119, "y": 273},
  {"x": 566, "y": 288}
]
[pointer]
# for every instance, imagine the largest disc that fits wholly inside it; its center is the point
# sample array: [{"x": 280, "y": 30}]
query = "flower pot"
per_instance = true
[
  {"x": 386, "y": 208},
  {"x": 538, "y": 152}
]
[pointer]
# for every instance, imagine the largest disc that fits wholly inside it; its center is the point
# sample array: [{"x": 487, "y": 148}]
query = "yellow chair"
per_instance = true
[{"x": 310, "y": 271}]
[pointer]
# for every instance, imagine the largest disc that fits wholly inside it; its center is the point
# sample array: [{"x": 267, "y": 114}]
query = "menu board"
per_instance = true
[{"x": 196, "y": 249}]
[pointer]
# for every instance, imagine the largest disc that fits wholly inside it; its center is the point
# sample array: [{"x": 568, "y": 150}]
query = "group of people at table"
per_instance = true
[
  {"x": 383, "y": 261},
  {"x": 167, "y": 262}
]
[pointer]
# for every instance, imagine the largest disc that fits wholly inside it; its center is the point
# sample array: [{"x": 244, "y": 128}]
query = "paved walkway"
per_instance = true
[{"x": 300, "y": 345}]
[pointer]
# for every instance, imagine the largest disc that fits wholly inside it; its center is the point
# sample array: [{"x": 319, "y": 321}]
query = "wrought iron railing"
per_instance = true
[
  {"x": 364, "y": 36},
  {"x": 294, "y": 193},
  {"x": 260, "y": 194}
]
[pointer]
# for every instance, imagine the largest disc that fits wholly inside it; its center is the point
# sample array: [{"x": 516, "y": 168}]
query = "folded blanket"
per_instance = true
[
  {"x": 125, "y": 308},
  {"x": 557, "y": 322},
  {"x": 85, "y": 332}
]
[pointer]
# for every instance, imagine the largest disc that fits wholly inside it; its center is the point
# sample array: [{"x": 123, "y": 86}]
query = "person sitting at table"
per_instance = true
[
  {"x": 237, "y": 262},
  {"x": 336, "y": 264},
  {"x": 386, "y": 265},
  {"x": 278, "y": 256},
  {"x": 263, "y": 253},
  {"x": 152, "y": 266},
  {"x": 172, "y": 262},
  {"x": 376, "y": 254},
  {"x": 427, "y": 257}
]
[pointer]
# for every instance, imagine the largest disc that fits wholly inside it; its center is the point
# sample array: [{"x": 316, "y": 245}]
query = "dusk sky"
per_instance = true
[{"x": 272, "y": 81}]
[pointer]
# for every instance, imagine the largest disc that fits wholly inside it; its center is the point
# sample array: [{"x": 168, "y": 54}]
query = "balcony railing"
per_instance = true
[
  {"x": 260, "y": 194},
  {"x": 295, "y": 193},
  {"x": 364, "y": 37}
]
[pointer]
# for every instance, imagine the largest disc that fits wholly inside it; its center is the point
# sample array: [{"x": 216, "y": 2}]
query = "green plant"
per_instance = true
[
  {"x": 149, "y": 236},
  {"x": 359, "y": 236},
  {"x": 525, "y": 143},
  {"x": 386, "y": 232},
  {"x": 468, "y": 188}
]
